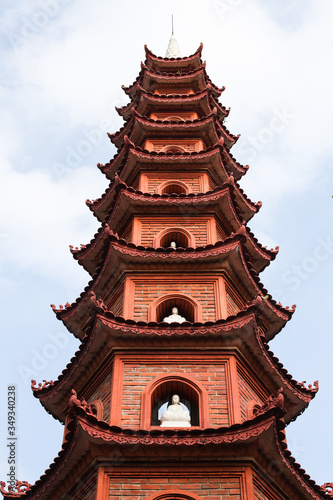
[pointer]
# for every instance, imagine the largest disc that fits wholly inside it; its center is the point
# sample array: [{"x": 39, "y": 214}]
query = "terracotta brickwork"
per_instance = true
[
  {"x": 126, "y": 234},
  {"x": 221, "y": 233},
  {"x": 198, "y": 226},
  {"x": 138, "y": 375},
  {"x": 196, "y": 182},
  {"x": 247, "y": 392},
  {"x": 173, "y": 91},
  {"x": 130, "y": 372},
  {"x": 212, "y": 488},
  {"x": 115, "y": 302},
  {"x": 199, "y": 288},
  {"x": 189, "y": 145},
  {"x": 234, "y": 302},
  {"x": 175, "y": 116},
  {"x": 103, "y": 394}
]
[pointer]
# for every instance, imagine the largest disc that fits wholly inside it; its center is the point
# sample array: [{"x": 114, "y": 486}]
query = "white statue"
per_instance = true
[
  {"x": 174, "y": 317},
  {"x": 173, "y": 244},
  {"x": 175, "y": 415}
]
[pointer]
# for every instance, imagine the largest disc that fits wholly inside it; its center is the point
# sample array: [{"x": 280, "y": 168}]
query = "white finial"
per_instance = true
[{"x": 173, "y": 49}]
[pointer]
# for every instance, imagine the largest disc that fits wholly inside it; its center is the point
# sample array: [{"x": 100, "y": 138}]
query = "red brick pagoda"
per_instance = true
[{"x": 174, "y": 393}]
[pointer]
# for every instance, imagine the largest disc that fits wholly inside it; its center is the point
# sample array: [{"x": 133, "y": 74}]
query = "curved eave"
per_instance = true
[
  {"x": 121, "y": 258},
  {"x": 152, "y": 61},
  {"x": 198, "y": 80},
  {"x": 140, "y": 128},
  {"x": 147, "y": 78},
  {"x": 130, "y": 200},
  {"x": 107, "y": 332},
  {"x": 242, "y": 209},
  {"x": 260, "y": 440},
  {"x": 89, "y": 256},
  {"x": 146, "y": 103},
  {"x": 103, "y": 206},
  {"x": 259, "y": 255},
  {"x": 276, "y": 314},
  {"x": 120, "y": 160}
]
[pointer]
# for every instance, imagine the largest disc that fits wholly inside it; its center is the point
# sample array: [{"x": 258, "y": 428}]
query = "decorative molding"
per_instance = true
[
  {"x": 21, "y": 487},
  {"x": 271, "y": 402}
]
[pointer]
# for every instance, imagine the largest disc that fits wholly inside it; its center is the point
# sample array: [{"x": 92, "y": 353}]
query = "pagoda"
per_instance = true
[{"x": 174, "y": 393}]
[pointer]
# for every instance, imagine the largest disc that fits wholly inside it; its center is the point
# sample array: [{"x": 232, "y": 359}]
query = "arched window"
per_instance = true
[
  {"x": 173, "y": 118},
  {"x": 162, "y": 396},
  {"x": 187, "y": 307},
  {"x": 180, "y": 236},
  {"x": 97, "y": 408},
  {"x": 174, "y": 495},
  {"x": 159, "y": 392},
  {"x": 173, "y": 187},
  {"x": 251, "y": 407},
  {"x": 173, "y": 149}
]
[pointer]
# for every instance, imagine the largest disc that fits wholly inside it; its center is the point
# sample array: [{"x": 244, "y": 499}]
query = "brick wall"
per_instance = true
[
  {"x": 138, "y": 375},
  {"x": 234, "y": 301},
  {"x": 189, "y": 145},
  {"x": 103, "y": 393},
  {"x": 127, "y": 233},
  {"x": 192, "y": 181},
  {"x": 151, "y": 226},
  {"x": 146, "y": 291},
  {"x": 221, "y": 234},
  {"x": 116, "y": 299},
  {"x": 247, "y": 392},
  {"x": 212, "y": 488}
]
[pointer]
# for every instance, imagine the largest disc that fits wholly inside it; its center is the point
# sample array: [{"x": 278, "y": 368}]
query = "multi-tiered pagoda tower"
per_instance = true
[{"x": 174, "y": 393}]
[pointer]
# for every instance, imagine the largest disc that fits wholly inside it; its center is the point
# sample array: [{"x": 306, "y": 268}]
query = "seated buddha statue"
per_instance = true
[
  {"x": 175, "y": 415},
  {"x": 174, "y": 317}
]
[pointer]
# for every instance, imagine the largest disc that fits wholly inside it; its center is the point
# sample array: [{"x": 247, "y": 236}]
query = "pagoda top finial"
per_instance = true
[{"x": 173, "y": 49}]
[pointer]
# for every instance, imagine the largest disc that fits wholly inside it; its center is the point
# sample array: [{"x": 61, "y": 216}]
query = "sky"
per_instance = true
[{"x": 62, "y": 64}]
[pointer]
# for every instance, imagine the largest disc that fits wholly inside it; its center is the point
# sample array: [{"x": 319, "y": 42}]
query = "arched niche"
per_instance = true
[
  {"x": 173, "y": 149},
  {"x": 161, "y": 389},
  {"x": 173, "y": 187},
  {"x": 173, "y": 118},
  {"x": 97, "y": 408},
  {"x": 179, "y": 235},
  {"x": 161, "y": 307},
  {"x": 250, "y": 408},
  {"x": 174, "y": 495}
]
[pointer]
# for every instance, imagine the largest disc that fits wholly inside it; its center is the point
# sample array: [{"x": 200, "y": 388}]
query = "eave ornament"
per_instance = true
[
  {"x": 74, "y": 403},
  {"x": 41, "y": 385},
  {"x": 21, "y": 488},
  {"x": 327, "y": 488},
  {"x": 271, "y": 402}
]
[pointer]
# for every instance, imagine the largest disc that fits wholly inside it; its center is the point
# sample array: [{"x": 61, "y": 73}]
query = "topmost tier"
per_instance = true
[{"x": 173, "y": 65}]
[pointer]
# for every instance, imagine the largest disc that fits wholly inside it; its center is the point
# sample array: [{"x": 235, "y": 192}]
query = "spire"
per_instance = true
[{"x": 173, "y": 49}]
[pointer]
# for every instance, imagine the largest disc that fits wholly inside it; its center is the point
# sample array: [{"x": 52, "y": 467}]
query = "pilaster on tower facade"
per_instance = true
[{"x": 174, "y": 393}]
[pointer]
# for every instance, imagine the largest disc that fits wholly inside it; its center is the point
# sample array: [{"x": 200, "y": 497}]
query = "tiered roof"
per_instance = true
[{"x": 108, "y": 257}]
